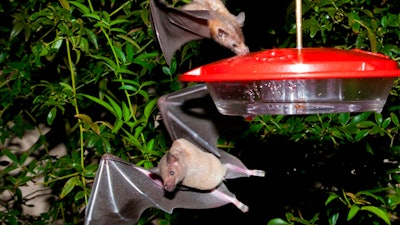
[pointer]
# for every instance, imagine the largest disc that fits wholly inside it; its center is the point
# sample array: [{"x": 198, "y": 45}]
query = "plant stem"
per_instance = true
[{"x": 73, "y": 73}]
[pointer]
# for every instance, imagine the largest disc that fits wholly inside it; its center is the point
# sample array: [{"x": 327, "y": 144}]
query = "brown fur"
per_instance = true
[
  {"x": 190, "y": 166},
  {"x": 225, "y": 28}
]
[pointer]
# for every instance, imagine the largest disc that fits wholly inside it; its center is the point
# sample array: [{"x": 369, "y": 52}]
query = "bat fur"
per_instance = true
[
  {"x": 196, "y": 20},
  {"x": 188, "y": 165},
  {"x": 225, "y": 28}
]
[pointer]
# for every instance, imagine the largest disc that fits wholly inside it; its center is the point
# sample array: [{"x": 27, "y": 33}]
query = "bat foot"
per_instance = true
[
  {"x": 257, "y": 173},
  {"x": 244, "y": 208},
  {"x": 243, "y": 171}
]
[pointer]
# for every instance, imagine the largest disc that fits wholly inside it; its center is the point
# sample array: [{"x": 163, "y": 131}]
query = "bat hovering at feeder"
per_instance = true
[{"x": 197, "y": 20}]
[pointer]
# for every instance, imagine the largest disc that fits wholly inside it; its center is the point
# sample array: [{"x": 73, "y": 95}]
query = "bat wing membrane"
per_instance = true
[
  {"x": 175, "y": 27},
  {"x": 122, "y": 192}
]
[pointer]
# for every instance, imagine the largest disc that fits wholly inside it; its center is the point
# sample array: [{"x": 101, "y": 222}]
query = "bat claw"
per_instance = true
[
  {"x": 244, "y": 208},
  {"x": 241, "y": 171}
]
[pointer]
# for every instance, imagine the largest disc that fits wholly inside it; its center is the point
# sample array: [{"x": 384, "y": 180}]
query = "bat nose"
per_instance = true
[
  {"x": 168, "y": 188},
  {"x": 241, "y": 50}
]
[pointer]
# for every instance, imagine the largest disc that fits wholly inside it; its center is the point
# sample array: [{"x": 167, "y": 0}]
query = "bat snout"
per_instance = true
[
  {"x": 242, "y": 50},
  {"x": 169, "y": 185}
]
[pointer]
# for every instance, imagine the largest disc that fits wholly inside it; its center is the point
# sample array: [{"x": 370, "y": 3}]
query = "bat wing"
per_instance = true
[
  {"x": 175, "y": 27},
  {"x": 122, "y": 191},
  {"x": 190, "y": 113}
]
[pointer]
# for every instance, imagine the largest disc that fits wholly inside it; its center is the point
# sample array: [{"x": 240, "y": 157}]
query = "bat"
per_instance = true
[
  {"x": 194, "y": 21},
  {"x": 123, "y": 191},
  {"x": 188, "y": 165}
]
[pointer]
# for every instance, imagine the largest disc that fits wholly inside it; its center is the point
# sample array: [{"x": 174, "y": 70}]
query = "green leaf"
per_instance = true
[
  {"x": 360, "y": 135},
  {"x": 150, "y": 145},
  {"x": 133, "y": 140},
  {"x": 23, "y": 157},
  {"x": 354, "y": 21},
  {"x": 127, "y": 87},
  {"x": 366, "y": 124},
  {"x": 333, "y": 218},
  {"x": 118, "y": 30},
  {"x": 118, "y": 21},
  {"x": 378, "y": 118},
  {"x": 17, "y": 28},
  {"x": 90, "y": 170},
  {"x": 65, "y": 4},
  {"x": 126, "y": 113},
  {"x": 149, "y": 108},
  {"x": 85, "y": 118},
  {"x": 166, "y": 70},
  {"x": 337, "y": 133},
  {"x": 278, "y": 221},
  {"x": 111, "y": 64},
  {"x": 117, "y": 109},
  {"x": 51, "y": 115},
  {"x": 386, "y": 123},
  {"x": 352, "y": 212},
  {"x": 331, "y": 197},
  {"x": 69, "y": 186},
  {"x": 378, "y": 212},
  {"x": 124, "y": 71},
  {"x": 376, "y": 130},
  {"x": 79, "y": 195},
  {"x": 9, "y": 154},
  {"x": 130, "y": 40},
  {"x": 344, "y": 118},
  {"x": 85, "y": 10},
  {"x": 120, "y": 54},
  {"x": 117, "y": 125},
  {"x": 126, "y": 81},
  {"x": 130, "y": 52},
  {"x": 92, "y": 37},
  {"x": 395, "y": 119},
  {"x": 99, "y": 101},
  {"x": 360, "y": 117}
]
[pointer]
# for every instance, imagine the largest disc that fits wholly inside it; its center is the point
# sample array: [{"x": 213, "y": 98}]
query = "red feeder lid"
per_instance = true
[{"x": 292, "y": 63}]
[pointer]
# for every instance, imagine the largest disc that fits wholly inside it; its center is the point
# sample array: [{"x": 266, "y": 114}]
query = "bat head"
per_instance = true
[
  {"x": 171, "y": 171},
  {"x": 227, "y": 31}
]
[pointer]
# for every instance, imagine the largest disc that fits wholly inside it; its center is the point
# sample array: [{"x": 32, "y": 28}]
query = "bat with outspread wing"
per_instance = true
[
  {"x": 199, "y": 19},
  {"x": 122, "y": 191}
]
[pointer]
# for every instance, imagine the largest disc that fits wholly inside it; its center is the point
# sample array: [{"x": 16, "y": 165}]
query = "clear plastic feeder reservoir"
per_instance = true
[{"x": 298, "y": 81}]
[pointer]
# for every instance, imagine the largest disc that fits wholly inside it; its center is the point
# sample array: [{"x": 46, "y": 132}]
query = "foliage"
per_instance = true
[{"x": 92, "y": 72}]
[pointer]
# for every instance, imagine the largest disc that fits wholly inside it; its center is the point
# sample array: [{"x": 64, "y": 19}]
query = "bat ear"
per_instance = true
[
  {"x": 171, "y": 158},
  {"x": 240, "y": 18},
  {"x": 222, "y": 33}
]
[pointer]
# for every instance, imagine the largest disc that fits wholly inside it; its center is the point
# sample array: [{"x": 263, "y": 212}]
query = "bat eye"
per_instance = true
[
  {"x": 234, "y": 45},
  {"x": 171, "y": 173}
]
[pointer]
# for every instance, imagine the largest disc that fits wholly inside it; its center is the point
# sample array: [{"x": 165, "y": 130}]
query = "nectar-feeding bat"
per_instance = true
[
  {"x": 189, "y": 166},
  {"x": 196, "y": 20},
  {"x": 123, "y": 191}
]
